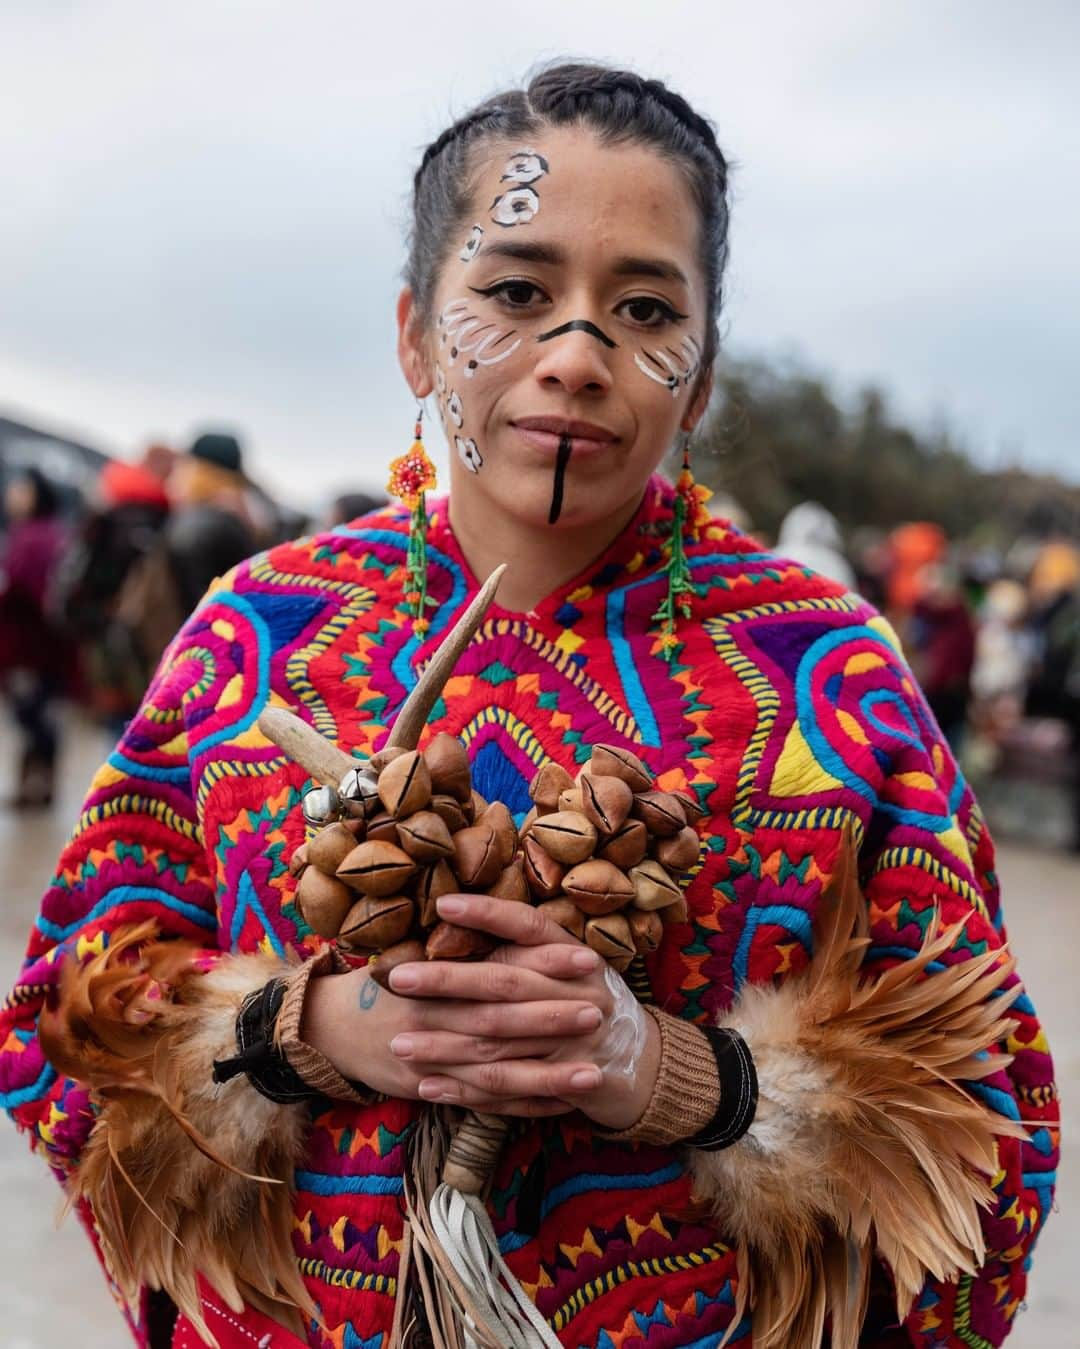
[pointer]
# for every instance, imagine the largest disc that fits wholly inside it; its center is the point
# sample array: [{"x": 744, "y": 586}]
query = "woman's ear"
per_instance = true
[
  {"x": 412, "y": 355},
  {"x": 698, "y": 403}
]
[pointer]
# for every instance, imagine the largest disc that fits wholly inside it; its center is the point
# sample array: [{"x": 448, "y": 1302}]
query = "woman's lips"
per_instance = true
[{"x": 547, "y": 434}]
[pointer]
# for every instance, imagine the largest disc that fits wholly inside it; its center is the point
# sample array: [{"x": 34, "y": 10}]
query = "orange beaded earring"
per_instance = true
[{"x": 412, "y": 476}]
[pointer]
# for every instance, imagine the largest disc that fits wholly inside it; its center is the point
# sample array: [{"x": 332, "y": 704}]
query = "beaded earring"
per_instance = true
[
  {"x": 689, "y": 516},
  {"x": 412, "y": 475}
]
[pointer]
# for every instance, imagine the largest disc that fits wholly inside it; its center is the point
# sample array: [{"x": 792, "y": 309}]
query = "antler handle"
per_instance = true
[
  {"x": 411, "y": 720},
  {"x": 304, "y": 745},
  {"x": 328, "y": 764}
]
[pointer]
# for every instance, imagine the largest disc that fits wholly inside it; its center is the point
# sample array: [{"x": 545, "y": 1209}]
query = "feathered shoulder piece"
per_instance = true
[
  {"x": 185, "y": 1177},
  {"x": 865, "y": 1141}
]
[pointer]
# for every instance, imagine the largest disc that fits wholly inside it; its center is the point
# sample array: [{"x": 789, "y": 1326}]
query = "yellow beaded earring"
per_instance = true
[{"x": 412, "y": 476}]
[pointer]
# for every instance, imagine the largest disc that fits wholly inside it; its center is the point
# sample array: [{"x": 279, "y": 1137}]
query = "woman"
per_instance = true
[
  {"x": 561, "y": 307},
  {"x": 35, "y": 660}
]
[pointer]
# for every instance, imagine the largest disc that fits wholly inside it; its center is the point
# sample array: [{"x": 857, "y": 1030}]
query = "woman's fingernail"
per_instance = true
[
  {"x": 585, "y": 1079},
  {"x": 435, "y": 1091},
  {"x": 588, "y": 1018},
  {"x": 402, "y": 979},
  {"x": 402, "y": 1046},
  {"x": 450, "y": 906},
  {"x": 584, "y": 961}
]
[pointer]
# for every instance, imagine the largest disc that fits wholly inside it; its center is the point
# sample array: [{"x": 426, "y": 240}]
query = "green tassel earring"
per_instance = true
[
  {"x": 689, "y": 515},
  {"x": 412, "y": 475}
]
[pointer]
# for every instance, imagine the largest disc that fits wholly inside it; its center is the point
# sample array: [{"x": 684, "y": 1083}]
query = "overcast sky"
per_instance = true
[{"x": 201, "y": 204}]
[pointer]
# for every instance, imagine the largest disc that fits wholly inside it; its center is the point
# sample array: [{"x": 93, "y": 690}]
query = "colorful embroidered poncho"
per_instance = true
[{"x": 787, "y": 709}]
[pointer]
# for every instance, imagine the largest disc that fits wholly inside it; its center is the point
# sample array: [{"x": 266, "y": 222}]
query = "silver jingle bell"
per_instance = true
[
  {"x": 359, "y": 792},
  {"x": 321, "y": 806}
]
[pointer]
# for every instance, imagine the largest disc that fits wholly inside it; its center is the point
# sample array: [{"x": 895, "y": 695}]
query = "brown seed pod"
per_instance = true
[
  {"x": 324, "y": 901},
  {"x": 511, "y": 884},
  {"x": 653, "y": 887},
  {"x": 692, "y": 806},
  {"x": 448, "y": 764},
  {"x": 299, "y": 860},
  {"x": 627, "y": 846},
  {"x": 376, "y": 868},
  {"x": 506, "y": 835},
  {"x": 330, "y": 847},
  {"x": 606, "y": 802},
  {"x": 528, "y": 822},
  {"x": 550, "y": 780},
  {"x": 610, "y": 937},
  {"x": 661, "y": 812},
  {"x": 570, "y": 799},
  {"x": 433, "y": 882},
  {"x": 468, "y": 809},
  {"x": 425, "y": 837},
  {"x": 449, "y": 810},
  {"x": 405, "y": 785},
  {"x": 566, "y": 835},
  {"x": 386, "y": 755},
  {"x": 598, "y": 887},
  {"x": 380, "y": 965},
  {"x": 567, "y": 914},
  {"x": 679, "y": 912},
  {"x": 479, "y": 804},
  {"x": 447, "y": 941},
  {"x": 478, "y": 856},
  {"x": 382, "y": 828},
  {"x": 681, "y": 851},
  {"x": 646, "y": 930},
  {"x": 372, "y": 924},
  {"x": 611, "y": 761},
  {"x": 542, "y": 872}
]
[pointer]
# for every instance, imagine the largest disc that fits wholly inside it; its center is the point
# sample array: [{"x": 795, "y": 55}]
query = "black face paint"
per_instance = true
[
  {"x": 578, "y": 326},
  {"x": 561, "y": 461}
]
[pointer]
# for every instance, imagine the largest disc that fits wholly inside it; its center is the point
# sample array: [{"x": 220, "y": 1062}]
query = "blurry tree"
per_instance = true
[{"x": 778, "y": 435}]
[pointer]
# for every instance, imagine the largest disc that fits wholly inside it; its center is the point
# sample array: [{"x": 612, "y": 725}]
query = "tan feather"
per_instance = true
[
  {"x": 141, "y": 1028},
  {"x": 865, "y": 1140}
]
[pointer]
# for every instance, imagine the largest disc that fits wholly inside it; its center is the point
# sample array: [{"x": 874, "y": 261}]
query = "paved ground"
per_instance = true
[{"x": 52, "y": 1294}]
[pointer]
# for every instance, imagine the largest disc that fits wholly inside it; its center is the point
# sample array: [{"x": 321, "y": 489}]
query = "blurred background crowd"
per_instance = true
[{"x": 102, "y": 557}]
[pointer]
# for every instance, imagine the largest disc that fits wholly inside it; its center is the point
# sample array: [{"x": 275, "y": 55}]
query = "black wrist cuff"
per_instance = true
[
  {"x": 267, "y": 1069},
  {"x": 738, "y": 1091}
]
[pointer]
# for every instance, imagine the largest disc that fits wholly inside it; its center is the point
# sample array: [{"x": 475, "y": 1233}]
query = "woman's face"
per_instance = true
[{"x": 565, "y": 345}]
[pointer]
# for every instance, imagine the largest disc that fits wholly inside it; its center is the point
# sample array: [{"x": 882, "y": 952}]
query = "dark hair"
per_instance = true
[{"x": 619, "y": 106}]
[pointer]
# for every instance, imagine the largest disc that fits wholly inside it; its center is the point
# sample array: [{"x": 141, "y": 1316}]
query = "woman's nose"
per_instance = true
[{"x": 575, "y": 358}]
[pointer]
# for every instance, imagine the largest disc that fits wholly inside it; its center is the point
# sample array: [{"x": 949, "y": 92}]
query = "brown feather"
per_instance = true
[
  {"x": 141, "y": 1027},
  {"x": 865, "y": 1141}
]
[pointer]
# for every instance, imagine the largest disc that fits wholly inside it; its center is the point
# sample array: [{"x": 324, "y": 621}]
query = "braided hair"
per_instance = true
[{"x": 618, "y": 106}]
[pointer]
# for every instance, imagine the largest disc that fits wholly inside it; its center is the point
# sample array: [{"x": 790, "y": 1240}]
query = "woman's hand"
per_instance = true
[
  {"x": 526, "y": 1032},
  {"x": 543, "y": 1020}
]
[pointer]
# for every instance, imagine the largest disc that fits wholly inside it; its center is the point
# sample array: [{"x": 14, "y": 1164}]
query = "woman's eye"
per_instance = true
[
  {"x": 650, "y": 312},
  {"x": 513, "y": 294}
]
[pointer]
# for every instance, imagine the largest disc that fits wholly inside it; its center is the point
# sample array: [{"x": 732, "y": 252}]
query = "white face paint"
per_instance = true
[
  {"x": 454, "y": 409},
  {"x": 469, "y": 455},
  {"x": 524, "y": 167},
  {"x": 472, "y": 244},
  {"x": 461, "y": 333},
  {"x": 516, "y": 207},
  {"x": 673, "y": 369}
]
